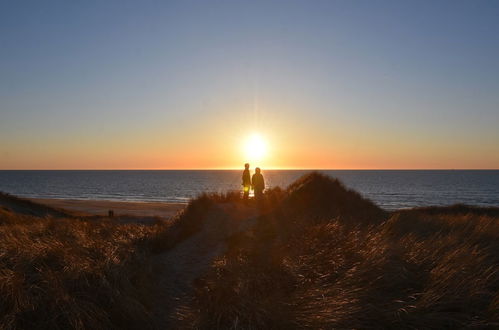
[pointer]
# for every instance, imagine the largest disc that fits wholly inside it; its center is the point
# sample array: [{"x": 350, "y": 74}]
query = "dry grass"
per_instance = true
[
  {"x": 346, "y": 264},
  {"x": 64, "y": 272},
  {"x": 319, "y": 256},
  {"x": 69, "y": 273}
]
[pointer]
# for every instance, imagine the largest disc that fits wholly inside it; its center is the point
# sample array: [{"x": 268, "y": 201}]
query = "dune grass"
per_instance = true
[
  {"x": 344, "y": 263},
  {"x": 63, "y": 272},
  {"x": 59, "y": 273},
  {"x": 319, "y": 256}
]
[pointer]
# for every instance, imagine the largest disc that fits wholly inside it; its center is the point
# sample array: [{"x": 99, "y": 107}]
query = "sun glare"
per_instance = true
[{"x": 255, "y": 148}]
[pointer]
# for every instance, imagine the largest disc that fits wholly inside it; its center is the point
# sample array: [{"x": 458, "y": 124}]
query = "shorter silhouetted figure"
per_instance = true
[
  {"x": 246, "y": 181},
  {"x": 258, "y": 184},
  {"x": 110, "y": 213}
]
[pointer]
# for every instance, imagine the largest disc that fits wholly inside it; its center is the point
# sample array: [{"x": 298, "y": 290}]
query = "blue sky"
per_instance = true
[{"x": 332, "y": 84}]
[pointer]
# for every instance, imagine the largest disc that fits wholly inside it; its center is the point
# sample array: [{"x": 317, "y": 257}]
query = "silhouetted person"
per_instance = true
[
  {"x": 258, "y": 184},
  {"x": 246, "y": 181}
]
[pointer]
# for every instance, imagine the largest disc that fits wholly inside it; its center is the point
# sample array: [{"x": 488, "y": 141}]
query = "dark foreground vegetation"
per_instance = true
[
  {"x": 317, "y": 256},
  {"x": 63, "y": 273},
  {"x": 326, "y": 258}
]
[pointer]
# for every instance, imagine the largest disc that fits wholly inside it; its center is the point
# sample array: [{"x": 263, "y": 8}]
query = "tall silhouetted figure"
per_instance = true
[
  {"x": 246, "y": 181},
  {"x": 258, "y": 184}
]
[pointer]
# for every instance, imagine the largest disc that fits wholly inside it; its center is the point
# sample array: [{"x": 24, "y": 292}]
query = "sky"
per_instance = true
[{"x": 184, "y": 84}]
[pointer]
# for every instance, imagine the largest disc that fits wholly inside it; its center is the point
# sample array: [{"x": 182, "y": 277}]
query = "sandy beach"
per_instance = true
[{"x": 101, "y": 207}]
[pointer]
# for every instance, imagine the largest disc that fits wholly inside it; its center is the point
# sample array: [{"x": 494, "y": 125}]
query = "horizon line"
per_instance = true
[{"x": 239, "y": 168}]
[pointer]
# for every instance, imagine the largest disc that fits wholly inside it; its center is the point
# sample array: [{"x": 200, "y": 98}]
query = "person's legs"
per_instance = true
[
  {"x": 258, "y": 194},
  {"x": 259, "y": 198}
]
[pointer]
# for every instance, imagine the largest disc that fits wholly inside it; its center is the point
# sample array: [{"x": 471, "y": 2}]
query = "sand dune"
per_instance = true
[{"x": 315, "y": 255}]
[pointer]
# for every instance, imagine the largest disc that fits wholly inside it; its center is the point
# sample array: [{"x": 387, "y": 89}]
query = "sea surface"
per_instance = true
[{"x": 390, "y": 189}]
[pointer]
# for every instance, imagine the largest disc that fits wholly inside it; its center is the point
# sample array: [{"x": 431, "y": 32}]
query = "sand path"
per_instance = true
[{"x": 191, "y": 258}]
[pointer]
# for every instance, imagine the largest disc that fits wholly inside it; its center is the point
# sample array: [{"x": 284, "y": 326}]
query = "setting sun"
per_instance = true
[{"x": 255, "y": 148}]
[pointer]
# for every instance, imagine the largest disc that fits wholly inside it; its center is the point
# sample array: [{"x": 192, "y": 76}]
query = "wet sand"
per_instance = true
[{"x": 101, "y": 207}]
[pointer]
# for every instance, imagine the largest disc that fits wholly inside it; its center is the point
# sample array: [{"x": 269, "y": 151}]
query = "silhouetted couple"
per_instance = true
[{"x": 256, "y": 182}]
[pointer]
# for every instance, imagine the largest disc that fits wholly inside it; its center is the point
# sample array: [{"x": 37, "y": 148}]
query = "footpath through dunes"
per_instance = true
[{"x": 190, "y": 258}]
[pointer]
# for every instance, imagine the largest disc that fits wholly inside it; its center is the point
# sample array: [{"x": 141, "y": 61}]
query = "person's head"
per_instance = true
[
  {"x": 257, "y": 170},
  {"x": 246, "y": 166}
]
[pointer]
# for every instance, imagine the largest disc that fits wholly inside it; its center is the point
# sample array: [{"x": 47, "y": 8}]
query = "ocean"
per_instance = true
[{"x": 390, "y": 189}]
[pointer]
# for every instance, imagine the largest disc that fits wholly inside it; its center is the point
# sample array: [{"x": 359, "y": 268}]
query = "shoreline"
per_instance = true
[{"x": 86, "y": 207}]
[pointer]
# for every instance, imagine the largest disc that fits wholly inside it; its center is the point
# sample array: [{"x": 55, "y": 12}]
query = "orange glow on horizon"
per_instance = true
[{"x": 274, "y": 143}]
